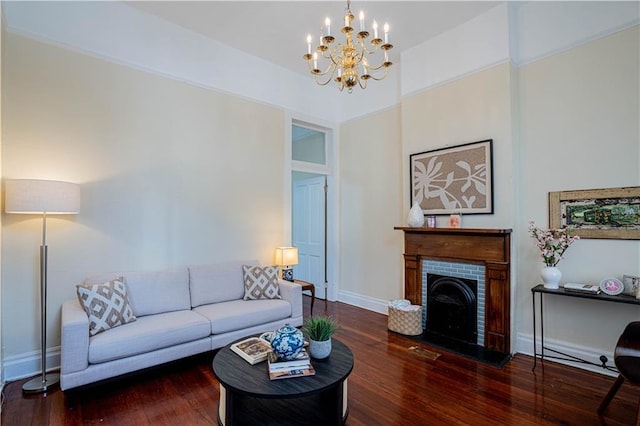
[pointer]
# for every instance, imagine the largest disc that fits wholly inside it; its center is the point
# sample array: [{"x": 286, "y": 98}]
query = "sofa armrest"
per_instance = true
[
  {"x": 293, "y": 294},
  {"x": 74, "y": 353}
]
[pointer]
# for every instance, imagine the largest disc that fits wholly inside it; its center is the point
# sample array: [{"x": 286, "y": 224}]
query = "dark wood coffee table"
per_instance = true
[{"x": 248, "y": 397}]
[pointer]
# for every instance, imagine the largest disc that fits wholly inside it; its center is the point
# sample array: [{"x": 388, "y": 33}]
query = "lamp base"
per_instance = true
[
  {"x": 38, "y": 386},
  {"x": 287, "y": 274}
]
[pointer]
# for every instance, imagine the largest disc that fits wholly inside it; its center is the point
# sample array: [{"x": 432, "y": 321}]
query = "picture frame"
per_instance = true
[
  {"x": 612, "y": 213},
  {"x": 453, "y": 180}
]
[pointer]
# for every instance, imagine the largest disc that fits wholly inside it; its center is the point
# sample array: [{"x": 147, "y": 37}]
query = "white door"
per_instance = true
[{"x": 309, "y": 229}]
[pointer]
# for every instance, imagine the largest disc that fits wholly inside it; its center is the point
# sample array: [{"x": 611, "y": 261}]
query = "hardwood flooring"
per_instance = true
[{"x": 389, "y": 385}]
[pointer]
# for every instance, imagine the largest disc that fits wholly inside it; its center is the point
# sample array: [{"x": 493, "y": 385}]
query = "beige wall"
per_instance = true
[
  {"x": 466, "y": 110},
  {"x": 171, "y": 175},
  {"x": 371, "y": 205},
  {"x": 579, "y": 130}
]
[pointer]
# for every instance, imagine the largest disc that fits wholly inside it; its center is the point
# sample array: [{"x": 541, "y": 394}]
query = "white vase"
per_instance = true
[
  {"x": 319, "y": 349},
  {"x": 551, "y": 277},
  {"x": 415, "y": 219}
]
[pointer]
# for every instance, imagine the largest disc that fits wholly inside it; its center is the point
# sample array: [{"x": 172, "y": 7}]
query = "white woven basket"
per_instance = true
[{"x": 408, "y": 322}]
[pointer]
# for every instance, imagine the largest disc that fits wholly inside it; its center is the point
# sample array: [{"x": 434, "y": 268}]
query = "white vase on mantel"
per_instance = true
[
  {"x": 551, "y": 277},
  {"x": 415, "y": 219}
]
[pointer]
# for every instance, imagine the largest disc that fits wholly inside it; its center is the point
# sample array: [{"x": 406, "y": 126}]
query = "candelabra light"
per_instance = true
[{"x": 350, "y": 63}]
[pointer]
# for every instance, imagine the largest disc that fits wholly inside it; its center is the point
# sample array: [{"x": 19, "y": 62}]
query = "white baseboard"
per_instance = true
[
  {"x": 365, "y": 302},
  {"x": 28, "y": 365},
  {"x": 524, "y": 345}
]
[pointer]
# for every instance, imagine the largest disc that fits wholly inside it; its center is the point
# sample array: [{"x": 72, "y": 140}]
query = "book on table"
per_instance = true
[
  {"x": 296, "y": 372},
  {"x": 302, "y": 361},
  {"x": 253, "y": 350}
]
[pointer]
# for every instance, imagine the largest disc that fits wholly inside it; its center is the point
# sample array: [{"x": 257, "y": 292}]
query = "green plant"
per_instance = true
[{"x": 320, "y": 328}]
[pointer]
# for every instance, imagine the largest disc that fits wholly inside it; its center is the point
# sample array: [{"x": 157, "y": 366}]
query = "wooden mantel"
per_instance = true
[{"x": 489, "y": 247}]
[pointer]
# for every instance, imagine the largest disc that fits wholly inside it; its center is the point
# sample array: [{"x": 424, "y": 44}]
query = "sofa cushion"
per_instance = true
[
  {"x": 106, "y": 305},
  {"x": 217, "y": 282},
  {"x": 239, "y": 314},
  {"x": 147, "y": 334},
  {"x": 260, "y": 282},
  {"x": 152, "y": 292}
]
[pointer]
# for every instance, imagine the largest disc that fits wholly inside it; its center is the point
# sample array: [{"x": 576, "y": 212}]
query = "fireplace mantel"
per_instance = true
[{"x": 489, "y": 247}]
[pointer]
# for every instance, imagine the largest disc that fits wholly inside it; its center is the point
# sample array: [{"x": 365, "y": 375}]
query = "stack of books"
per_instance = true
[{"x": 284, "y": 369}]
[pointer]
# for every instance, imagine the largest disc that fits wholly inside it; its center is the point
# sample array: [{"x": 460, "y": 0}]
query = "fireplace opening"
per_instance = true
[{"x": 452, "y": 308}]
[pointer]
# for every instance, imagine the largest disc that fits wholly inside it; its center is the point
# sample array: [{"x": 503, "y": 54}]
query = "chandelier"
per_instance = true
[{"x": 349, "y": 62}]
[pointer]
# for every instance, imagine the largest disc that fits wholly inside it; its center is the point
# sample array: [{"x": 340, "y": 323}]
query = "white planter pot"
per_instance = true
[{"x": 319, "y": 350}]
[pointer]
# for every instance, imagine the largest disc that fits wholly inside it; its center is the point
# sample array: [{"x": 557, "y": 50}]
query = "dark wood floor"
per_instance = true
[{"x": 390, "y": 385}]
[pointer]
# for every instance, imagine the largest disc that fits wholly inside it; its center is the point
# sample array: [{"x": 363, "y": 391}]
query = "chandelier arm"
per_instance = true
[{"x": 372, "y": 77}]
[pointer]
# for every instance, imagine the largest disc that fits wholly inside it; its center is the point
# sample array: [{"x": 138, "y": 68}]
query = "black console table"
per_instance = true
[{"x": 541, "y": 291}]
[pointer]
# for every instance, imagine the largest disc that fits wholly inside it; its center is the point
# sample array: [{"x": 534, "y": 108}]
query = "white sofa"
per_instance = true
[{"x": 180, "y": 312}]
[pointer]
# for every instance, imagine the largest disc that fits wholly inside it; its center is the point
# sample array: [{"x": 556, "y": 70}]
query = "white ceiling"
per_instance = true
[{"x": 277, "y": 30}]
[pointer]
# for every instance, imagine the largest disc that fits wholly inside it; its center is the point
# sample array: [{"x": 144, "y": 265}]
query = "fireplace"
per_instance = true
[
  {"x": 451, "y": 307},
  {"x": 488, "y": 250}
]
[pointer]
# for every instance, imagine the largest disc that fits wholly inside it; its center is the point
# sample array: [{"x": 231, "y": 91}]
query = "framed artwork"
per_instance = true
[
  {"x": 598, "y": 213},
  {"x": 457, "y": 179}
]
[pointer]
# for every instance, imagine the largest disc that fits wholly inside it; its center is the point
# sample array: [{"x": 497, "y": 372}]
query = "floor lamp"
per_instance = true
[{"x": 32, "y": 196}]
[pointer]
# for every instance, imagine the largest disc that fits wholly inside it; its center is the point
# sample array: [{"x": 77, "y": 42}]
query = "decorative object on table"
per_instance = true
[
  {"x": 582, "y": 288},
  {"x": 611, "y": 286},
  {"x": 415, "y": 219},
  {"x": 300, "y": 362},
  {"x": 287, "y": 342},
  {"x": 288, "y": 374},
  {"x": 286, "y": 257},
  {"x": 431, "y": 221},
  {"x": 631, "y": 284},
  {"x": 454, "y": 180},
  {"x": 253, "y": 350},
  {"x": 455, "y": 221},
  {"x": 33, "y": 196},
  {"x": 404, "y": 318},
  {"x": 598, "y": 213},
  {"x": 319, "y": 330},
  {"x": 553, "y": 243},
  {"x": 346, "y": 59}
]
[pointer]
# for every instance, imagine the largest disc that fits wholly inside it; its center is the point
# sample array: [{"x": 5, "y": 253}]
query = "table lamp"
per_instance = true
[
  {"x": 32, "y": 196},
  {"x": 287, "y": 257}
]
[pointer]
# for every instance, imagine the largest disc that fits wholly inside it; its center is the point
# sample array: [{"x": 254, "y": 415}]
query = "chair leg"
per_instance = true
[{"x": 612, "y": 392}]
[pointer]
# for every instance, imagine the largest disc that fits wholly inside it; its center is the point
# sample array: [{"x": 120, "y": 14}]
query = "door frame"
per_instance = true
[{"x": 330, "y": 170}]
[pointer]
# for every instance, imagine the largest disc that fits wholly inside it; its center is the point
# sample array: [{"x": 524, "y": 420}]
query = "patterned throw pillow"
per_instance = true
[
  {"x": 260, "y": 283},
  {"x": 106, "y": 305}
]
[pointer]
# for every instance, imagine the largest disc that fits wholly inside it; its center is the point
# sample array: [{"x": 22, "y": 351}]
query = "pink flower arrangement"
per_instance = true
[{"x": 552, "y": 242}]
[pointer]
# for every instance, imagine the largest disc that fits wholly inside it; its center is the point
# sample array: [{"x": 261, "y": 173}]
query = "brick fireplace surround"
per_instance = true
[{"x": 488, "y": 247}]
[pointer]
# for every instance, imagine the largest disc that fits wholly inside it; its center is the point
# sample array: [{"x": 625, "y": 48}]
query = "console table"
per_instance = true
[{"x": 541, "y": 291}]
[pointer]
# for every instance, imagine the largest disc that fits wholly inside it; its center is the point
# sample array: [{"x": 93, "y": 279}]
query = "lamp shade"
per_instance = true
[
  {"x": 286, "y": 256},
  {"x": 32, "y": 196}
]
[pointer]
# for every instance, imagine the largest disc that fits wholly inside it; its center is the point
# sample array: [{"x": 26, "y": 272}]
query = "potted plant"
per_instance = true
[{"x": 319, "y": 330}]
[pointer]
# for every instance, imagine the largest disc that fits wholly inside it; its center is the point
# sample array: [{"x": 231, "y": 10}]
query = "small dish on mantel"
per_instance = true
[{"x": 611, "y": 286}]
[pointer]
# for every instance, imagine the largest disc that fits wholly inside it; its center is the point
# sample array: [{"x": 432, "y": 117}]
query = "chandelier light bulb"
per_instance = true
[
  {"x": 375, "y": 29},
  {"x": 361, "y": 17},
  {"x": 386, "y": 33},
  {"x": 327, "y": 23},
  {"x": 309, "y": 43}
]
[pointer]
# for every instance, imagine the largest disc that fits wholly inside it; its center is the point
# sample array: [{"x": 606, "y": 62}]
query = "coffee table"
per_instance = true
[{"x": 248, "y": 397}]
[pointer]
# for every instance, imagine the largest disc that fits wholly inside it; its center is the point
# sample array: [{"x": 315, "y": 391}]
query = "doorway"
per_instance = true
[{"x": 310, "y": 180}]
